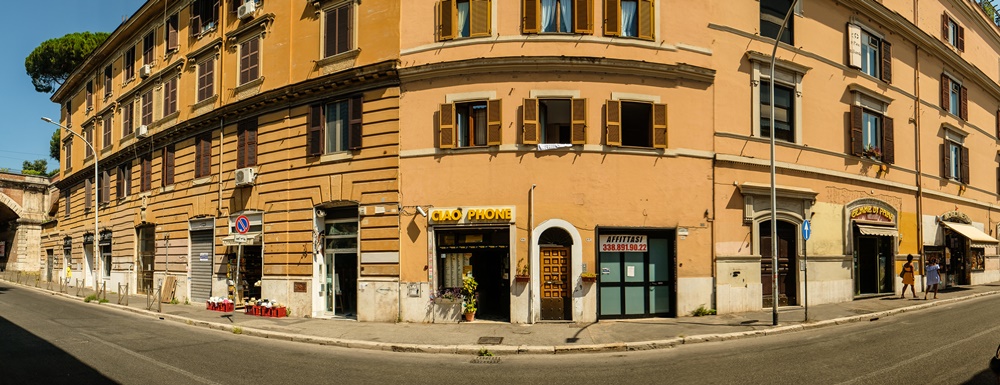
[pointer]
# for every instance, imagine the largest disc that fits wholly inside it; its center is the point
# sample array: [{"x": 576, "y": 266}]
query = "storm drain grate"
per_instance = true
[
  {"x": 486, "y": 360},
  {"x": 489, "y": 341}
]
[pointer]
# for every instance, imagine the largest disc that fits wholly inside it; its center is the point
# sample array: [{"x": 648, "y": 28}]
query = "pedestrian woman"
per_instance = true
[
  {"x": 907, "y": 276},
  {"x": 932, "y": 271}
]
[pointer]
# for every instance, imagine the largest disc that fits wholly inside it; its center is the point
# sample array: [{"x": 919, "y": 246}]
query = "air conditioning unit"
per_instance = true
[
  {"x": 145, "y": 71},
  {"x": 142, "y": 131},
  {"x": 246, "y": 10},
  {"x": 245, "y": 176}
]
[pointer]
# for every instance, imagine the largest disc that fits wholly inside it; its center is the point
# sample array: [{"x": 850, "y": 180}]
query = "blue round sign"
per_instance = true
[
  {"x": 242, "y": 224},
  {"x": 806, "y": 230}
]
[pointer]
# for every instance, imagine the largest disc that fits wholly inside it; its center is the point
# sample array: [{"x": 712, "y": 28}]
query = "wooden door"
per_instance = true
[
  {"x": 787, "y": 264},
  {"x": 555, "y": 283}
]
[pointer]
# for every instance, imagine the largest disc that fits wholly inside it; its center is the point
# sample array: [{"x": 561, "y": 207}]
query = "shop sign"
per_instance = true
[
  {"x": 872, "y": 213},
  {"x": 471, "y": 215},
  {"x": 619, "y": 242}
]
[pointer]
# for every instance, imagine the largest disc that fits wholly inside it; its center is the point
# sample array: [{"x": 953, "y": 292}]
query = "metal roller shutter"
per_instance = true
[{"x": 201, "y": 265}]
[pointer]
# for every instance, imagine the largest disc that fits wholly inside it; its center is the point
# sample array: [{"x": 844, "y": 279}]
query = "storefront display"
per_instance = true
[
  {"x": 484, "y": 254},
  {"x": 873, "y": 235},
  {"x": 638, "y": 274}
]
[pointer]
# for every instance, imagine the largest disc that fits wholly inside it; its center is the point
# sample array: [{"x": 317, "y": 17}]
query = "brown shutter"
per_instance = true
[
  {"x": 355, "y": 122},
  {"x": 659, "y": 126},
  {"x": 241, "y": 148},
  {"x": 120, "y": 183},
  {"x": 206, "y": 156},
  {"x": 344, "y": 29},
  {"x": 105, "y": 187},
  {"x": 88, "y": 186},
  {"x": 446, "y": 19},
  {"x": 147, "y": 173},
  {"x": 446, "y": 125},
  {"x": 583, "y": 18},
  {"x": 886, "y": 61},
  {"x": 944, "y": 27},
  {"x": 194, "y": 26},
  {"x": 494, "y": 122},
  {"x": 998, "y": 124},
  {"x": 965, "y": 164},
  {"x": 315, "y": 141},
  {"x": 252, "y": 144},
  {"x": 479, "y": 18},
  {"x": 530, "y": 10},
  {"x": 613, "y": 121},
  {"x": 578, "y": 114},
  {"x": 945, "y": 88},
  {"x": 168, "y": 166},
  {"x": 612, "y": 18},
  {"x": 646, "y": 16},
  {"x": 946, "y": 160},
  {"x": 961, "y": 39},
  {"x": 963, "y": 105},
  {"x": 529, "y": 117},
  {"x": 855, "y": 129},
  {"x": 888, "y": 141}
]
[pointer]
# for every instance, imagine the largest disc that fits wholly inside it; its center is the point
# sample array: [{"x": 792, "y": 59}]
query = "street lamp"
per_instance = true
[{"x": 96, "y": 199}]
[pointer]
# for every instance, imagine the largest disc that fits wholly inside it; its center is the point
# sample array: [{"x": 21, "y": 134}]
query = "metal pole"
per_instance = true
[
  {"x": 805, "y": 276},
  {"x": 774, "y": 200},
  {"x": 238, "y": 296}
]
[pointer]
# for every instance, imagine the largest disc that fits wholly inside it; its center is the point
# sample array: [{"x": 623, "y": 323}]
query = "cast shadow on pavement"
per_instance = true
[{"x": 28, "y": 359}]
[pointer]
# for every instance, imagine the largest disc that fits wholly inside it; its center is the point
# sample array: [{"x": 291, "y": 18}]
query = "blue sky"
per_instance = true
[{"x": 23, "y": 135}]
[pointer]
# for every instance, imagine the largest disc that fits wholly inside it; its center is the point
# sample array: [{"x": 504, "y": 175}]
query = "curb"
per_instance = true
[{"x": 524, "y": 349}]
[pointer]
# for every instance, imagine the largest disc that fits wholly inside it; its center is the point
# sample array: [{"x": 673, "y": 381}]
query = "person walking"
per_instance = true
[
  {"x": 932, "y": 272},
  {"x": 907, "y": 276}
]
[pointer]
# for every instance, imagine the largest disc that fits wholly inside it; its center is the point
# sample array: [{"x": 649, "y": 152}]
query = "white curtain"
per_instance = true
[
  {"x": 567, "y": 15},
  {"x": 549, "y": 16},
  {"x": 463, "y": 19},
  {"x": 629, "y": 19}
]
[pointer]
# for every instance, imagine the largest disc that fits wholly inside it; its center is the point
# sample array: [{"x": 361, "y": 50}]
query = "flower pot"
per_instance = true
[
  {"x": 522, "y": 278},
  {"x": 589, "y": 279},
  {"x": 470, "y": 316}
]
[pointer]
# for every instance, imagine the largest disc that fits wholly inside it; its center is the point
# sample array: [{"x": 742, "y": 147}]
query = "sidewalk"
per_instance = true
[{"x": 539, "y": 338}]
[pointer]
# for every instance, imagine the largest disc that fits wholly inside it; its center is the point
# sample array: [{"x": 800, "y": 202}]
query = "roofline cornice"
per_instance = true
[{"x": 558, "y": 64}]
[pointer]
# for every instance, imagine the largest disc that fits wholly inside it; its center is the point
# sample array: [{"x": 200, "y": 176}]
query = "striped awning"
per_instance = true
[
  {"x": 977, "y": 238},
  {"x": 882, "y": 231}
]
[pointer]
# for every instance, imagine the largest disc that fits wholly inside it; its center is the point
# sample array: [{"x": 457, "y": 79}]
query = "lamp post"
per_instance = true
[
  {"x": 774, "y": 199},
  {"x": 96, "y": 191}
]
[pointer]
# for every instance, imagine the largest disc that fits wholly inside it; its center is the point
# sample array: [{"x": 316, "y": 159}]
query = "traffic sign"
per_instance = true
[
  {"x": 806, "y": 230},
  {"x": 239, "y": 238},
  {"x": 242, "y": 224}
]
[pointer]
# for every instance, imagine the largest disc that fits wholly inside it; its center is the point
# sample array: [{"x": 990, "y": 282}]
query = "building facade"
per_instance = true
[{"x": 347, "y": 161}]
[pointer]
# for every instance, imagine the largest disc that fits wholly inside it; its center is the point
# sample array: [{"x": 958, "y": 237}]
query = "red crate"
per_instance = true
[{"x": 281, "y": 312}]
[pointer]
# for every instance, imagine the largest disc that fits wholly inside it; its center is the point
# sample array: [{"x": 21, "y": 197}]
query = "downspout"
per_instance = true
[
  {"x": 531, "y": 228},
  {"x": 916, "y": 130}
]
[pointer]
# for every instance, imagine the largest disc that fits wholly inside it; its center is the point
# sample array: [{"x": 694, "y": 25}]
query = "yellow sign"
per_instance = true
[
  {"x": 872, "y": 213},
  {"x": 467, "y": 215}
]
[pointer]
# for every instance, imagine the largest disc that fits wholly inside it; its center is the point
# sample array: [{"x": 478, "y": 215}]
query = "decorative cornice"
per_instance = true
[
  {"x": 193, "y": 55},
  {"x": 750, "y": 188},
  {"x": 557, "y": 64},
  {"x": 766, "y": 59},
  {"x": 266, "y": 20}
]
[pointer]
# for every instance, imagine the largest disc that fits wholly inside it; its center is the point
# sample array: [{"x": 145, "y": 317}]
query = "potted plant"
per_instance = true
[
  {"x": 588, "y": 276},
  {"x": 469, "y": 286},
  {"x": 522, "y": 274},
  {"x": 447, "y": 305},
  {"x": 872, "y": 152}
]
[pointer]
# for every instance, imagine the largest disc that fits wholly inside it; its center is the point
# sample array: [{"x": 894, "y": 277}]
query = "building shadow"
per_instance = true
[
  {"x": 985, "y": 377},
  {"x": 27, "y": 359}
]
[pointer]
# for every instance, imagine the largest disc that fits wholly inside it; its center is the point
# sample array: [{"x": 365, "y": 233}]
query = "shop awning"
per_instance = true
[
  {"x": 977, "y": 237},
  {"x": 882, "y": 231}
]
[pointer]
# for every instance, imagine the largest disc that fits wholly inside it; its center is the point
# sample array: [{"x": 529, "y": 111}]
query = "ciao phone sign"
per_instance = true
[
  {"x": 623, "y": 242},
  {"x": 471, "y": 215}
]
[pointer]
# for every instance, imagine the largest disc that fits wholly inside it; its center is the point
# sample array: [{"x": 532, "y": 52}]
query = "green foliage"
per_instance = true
[
  {"x": 174, "y": 301},
  {"x": 92, "y": 297},
  {"x": 703, "y": 311},
  {"x": 102, "y": 300},
  {"x": 469, "y": 286},
  {"x": 483, "y": 352},
  {"x": 37, "y": 167},
  {"x": 237, "y": 330},
  {"x": 54, "y": 144},
  {"x": 54, "y": 60}
]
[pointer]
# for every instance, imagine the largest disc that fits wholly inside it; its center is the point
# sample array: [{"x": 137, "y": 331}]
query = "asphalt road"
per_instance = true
[{"x": 46, "y": 339}]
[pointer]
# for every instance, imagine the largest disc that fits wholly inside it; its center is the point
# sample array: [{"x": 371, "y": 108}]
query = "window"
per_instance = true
[
  {"x": 956, "y": 158},
  {"x": 203, "y": 156},
  {"x": 147, "y": 108},
  {"x": 88, "y": 133},
  {"x": 69, "y": 113},
  {"x": 106, "y": 130},
  {"x": 784, "y": 111},
  {"x": 124, "y": 182},
  {"x": 787, "y": 95},
  {"x": 128, "y": 64},
  {"x": 250, "y": 60},
  {"x": 206, "y": 79},
  {"x": 107, "y": 80},
  {"x": 68, "y": 150},
  {"x": 470, "y": 124},
  {"x": 871, "y": 131},
  {"x": 636, "y": 124},
  {"x": 954, "y": 97},
  {"x": 337, "y": 35},
  {"x": 66, "y": 207},
  {"x": 629, "y": 18},
  {"x": 772, "y": 14},
  {"x": 168, "y": 166},
  {"x": 170, "y": 96},
  {"x": 335, "y": 126},
  {"x": 463, "y": 18},
  {"x": 554, "y": 121},
  {"x": 146, "y": 173},
  {"x": 170, "y": 33},
  {"x": 246, "y": 147},
  {"x": 870, "y": 53},
  {"x": 127, "y": 116},
  {"x": 204, "y": 15},
  {"x": 952, "y": 33},
  {"x": 90, "y": 96},
  {"x": 557, "y": 16},
  {"x": 147, "y": 49}
]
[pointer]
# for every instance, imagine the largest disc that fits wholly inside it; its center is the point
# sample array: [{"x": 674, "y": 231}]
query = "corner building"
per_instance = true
[{"x": 377, "y": 159}]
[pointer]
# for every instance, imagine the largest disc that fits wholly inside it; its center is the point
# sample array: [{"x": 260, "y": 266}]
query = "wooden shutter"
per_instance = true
[
  {"x": 886, "y": 61},
  {"x": 344, "y": 29},
  {"x": 446, "y": 126},
  {"x": 998, "y": 123},
  {"x": 172, "y": 32},
  {"x": 120, "y": 183},
  {"x": 147, "y": 173},
  {"x": 659, "y": 126},
  {"x": 168, "y": 165},
  {"x": 578, "y": 114},
  {"x": 946, "y": 160},
  {"x": 944, "y": 27},
  {"x": 206, "y": 155},
  {"x": 194, "y": 26},
  {"x": 88, "y": 186},
  {"x": 612, "y": 18},
  {"x": 961, "y": 39},
  {"x": 529, "y": 117},
  {"x": 646, "y": 18},
  {"x": 965, "y": 164},
  {"x": 888, "y": 141},
  {"x": 613, "y": 121},
  {"x": 105, "y": 187},
  {"x": 252, "y": 144},
  {"x": 963, "y": 105},
  {"x": 479, "y": 18},
  {"x": 530, "y": 9},
  {"x": 241, "y": 146},
  {"x": 355, "y": 122},
  {"x": 494, "y": 122},
  {"x": 945, "y": 88},
  {"x": 315, "y": 135},
  {"x": 446, "y": 19},
  {"x": 583, "y": 16},
  {"x": 856, "y": 133}
]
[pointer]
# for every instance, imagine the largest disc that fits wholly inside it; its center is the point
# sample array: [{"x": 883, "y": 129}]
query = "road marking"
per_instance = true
[{"x": 153, "y": 361}]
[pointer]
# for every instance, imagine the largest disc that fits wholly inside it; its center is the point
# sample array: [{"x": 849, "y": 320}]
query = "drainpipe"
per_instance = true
[
  {"x": 916, "y": 130},
  {"x": 531, "y": 228}
]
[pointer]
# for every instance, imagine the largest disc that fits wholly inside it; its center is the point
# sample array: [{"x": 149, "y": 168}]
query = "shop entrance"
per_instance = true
[
  {"x": 639, "y": 283},
  {"x": 956, "y": 260},
  {"x": 483, "y": 253},
  {"x": 251, "y": 269},
  {"x": 49, "y": 260},
  {"x": 787, "y": 263},
  {"x": 341, "y": 283},
  {"x": 872, "y": 264},
  {"x": 147, "y": 250},
  {"x": 555, "y": 284}
]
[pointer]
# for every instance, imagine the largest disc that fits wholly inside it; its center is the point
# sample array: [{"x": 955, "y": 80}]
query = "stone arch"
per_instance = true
[
  {"x": 13, "y": 205},
  {"x": 782, "y": 215},
  {"x": 576, "y": 266}
]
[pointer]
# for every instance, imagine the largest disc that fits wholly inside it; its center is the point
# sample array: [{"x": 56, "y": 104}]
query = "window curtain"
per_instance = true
[
  {"x": 630, "y": 25},
  {"x": 463, "y": 19},
  {"x": 336, "y": 127},
  {"x": 549, "y": 16},
  {"x": 567, "y": 16}
]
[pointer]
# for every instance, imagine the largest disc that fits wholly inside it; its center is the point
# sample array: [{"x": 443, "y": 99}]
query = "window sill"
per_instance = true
[
  {"x": 338, "y": 57},
  {"x": 128, "y": 80},
  {"x": 106, "y": 150},
  {"x": 207, "y": 101},
  {"x": 167, "y": 188},
  {"x": 202, "y": 180},
  {"x": 249, "y": 84},
  {"x": 336, "y": 157}
]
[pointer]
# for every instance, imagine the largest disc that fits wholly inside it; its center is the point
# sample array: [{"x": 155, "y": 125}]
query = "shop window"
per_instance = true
[
  {"x": 977, "y": 259},
  {"x": 952, "y": 33},
  {"x": 871, "y": 131},
  {"x": 554, "y": 121},
  {"x": 470, "y": 124},
  {"x": 463, "y": 18},
  {"x": 870, "y": 53},
  {"x": 629, "y": 18},
  {"x": 772, "y": 14},
  {"x": 636, "y": 124},
  {"x": 557, "y": 16},
  {"x": 954, "y": 97},
  {"x": 335, "y": 126}
]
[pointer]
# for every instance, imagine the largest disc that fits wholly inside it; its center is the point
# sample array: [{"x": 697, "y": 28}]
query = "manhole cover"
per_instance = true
[
  {"x": 489, "y": 341},
  {"x": 486, "y": 360}
]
